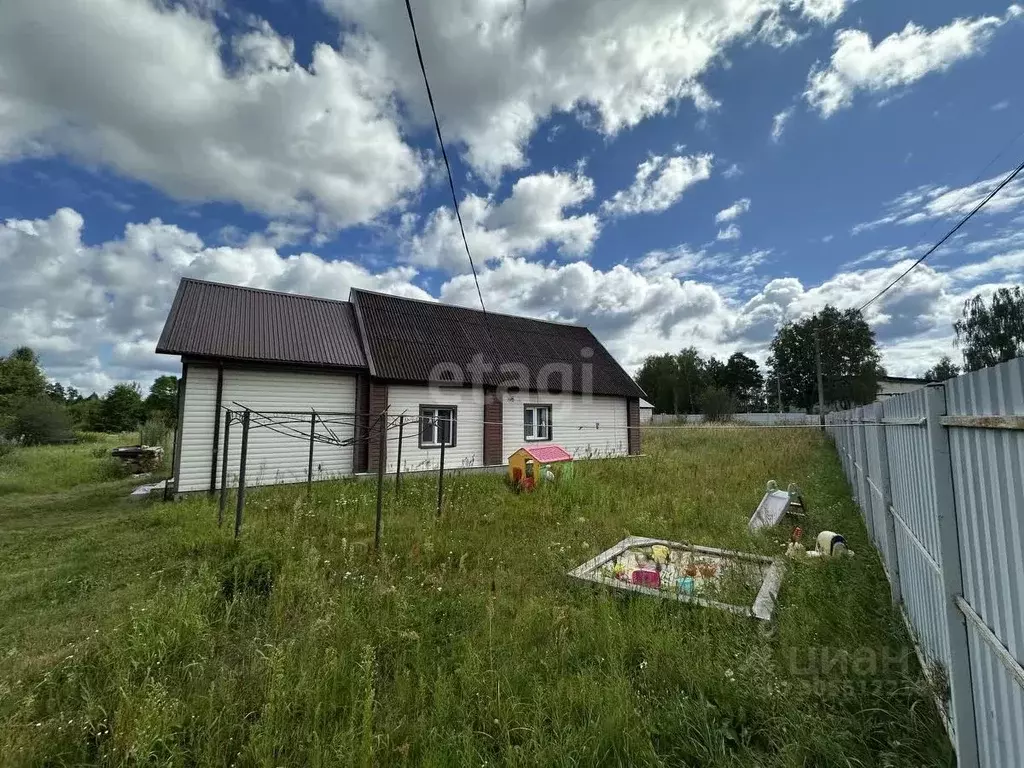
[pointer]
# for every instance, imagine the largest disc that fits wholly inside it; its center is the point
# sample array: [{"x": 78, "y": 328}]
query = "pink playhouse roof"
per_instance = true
[{"x": 545, "y": 454}]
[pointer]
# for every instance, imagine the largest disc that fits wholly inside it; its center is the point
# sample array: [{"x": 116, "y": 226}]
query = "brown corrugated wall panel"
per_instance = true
[
  {"x": 362, "y": 409},
  {"x": 492, "y": 428},
  {"x": 633, "y": 425},
  {"x": 377, "y": 402}
]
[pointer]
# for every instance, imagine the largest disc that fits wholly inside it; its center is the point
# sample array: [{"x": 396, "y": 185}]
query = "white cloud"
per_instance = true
[
  {"x": 899, "y": 60},
  {"x": 530, "y": 218},
  {"x": 498, "y": 68},
  {"x": 151, "y": 98},
  {"x": 67, "y": 299},
  {"x": 1000, "y": 105},
  {"x": 659, "y": 184},
  {"x": 734, "y": 211},
  {"x": 935, "y": 201},
  {"x": 732, "y": 232},
  {"x": 732, "y": 171},
  {"x": 779, "y": 123},
  {"x": 70, "y": 300}
]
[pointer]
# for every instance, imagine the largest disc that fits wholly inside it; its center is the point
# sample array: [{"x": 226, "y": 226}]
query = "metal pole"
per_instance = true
[
  {"x": 398, "y": 466},
  {"x": 440, "y": 475},
  {"x": 778, "y": 386},
  {"x": 240, "y": 503},
  {"x": 381, "y": 442},
  {"x": 309, "y": 470},
  {"x": 224, "y": 471},
  {"x": 821, "y": 386}
]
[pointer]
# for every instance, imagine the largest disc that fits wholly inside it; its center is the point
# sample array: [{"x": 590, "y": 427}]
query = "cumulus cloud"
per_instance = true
[
  {"x": 532, "y": 217},
  {"x": 500, "y": 68},
  {"x": 659, "y": 184},
  {"x": 94, "y": 312},
  {"x": 898, "y": 60},
  {"x": 151, "y": 97},
  {"x": 734, "y": 211},
  {"x": 69, "y": 300},
  {"x": 779, "y": 124}
]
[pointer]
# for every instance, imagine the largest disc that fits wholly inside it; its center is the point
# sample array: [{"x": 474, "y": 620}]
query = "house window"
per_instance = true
[
  {"x": 437, "y": 425},
  {"x": 537, "y": 422}
]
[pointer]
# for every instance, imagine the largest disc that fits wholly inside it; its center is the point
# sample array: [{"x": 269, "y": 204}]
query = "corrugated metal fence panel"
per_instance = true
[
  {"x": 999, "y": 707},
  {"x": 988, "y": 475},
  {"x": 910, "y": 470},
  {"x": 988, "y": 478}
]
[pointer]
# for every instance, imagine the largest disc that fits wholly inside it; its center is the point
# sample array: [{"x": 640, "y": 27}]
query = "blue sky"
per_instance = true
[{"x": 671, "y": 174}]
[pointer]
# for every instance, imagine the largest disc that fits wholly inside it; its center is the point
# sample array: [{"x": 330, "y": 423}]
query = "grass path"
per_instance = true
[{"x": 141, "y": 634}]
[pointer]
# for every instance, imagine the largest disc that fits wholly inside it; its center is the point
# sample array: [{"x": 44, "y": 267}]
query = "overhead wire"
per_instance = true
[{"x": 444, "y": 155}]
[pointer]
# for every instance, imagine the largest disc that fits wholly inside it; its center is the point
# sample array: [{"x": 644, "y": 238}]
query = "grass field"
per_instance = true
[{"x": 138, "y": 633}]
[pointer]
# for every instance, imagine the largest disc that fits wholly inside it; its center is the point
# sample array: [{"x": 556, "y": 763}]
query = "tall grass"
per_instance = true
[{"x": 461, "y": 642}]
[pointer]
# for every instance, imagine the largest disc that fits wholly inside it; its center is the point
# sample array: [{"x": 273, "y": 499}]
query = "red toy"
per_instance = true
[{"x": 645, "y": 578}]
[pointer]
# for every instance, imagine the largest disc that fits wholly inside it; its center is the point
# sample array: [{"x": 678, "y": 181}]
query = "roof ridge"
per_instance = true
[
  {"x": 289, "y": 294},
  {"x": 438, "y": 303}
]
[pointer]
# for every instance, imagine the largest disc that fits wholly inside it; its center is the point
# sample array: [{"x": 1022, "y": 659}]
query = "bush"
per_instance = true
[
  {"x": 154, "y": 432},
  {"x": 717, "y": 404},
  {"x": 38, "y": 422}
]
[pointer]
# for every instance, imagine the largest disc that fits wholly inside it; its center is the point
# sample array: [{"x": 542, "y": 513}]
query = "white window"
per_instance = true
[
  {"x": 537, "y": 422},
  {"x": 437, "y": 426}
]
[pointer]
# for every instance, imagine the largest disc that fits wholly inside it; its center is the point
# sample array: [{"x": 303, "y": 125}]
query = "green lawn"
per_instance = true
[{"x": 138, "y": 633}]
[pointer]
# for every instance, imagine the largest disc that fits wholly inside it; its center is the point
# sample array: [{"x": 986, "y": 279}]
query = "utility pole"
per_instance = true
[
  {"x": 778, "y": 387},
  {"x": 821, "y": 387}
]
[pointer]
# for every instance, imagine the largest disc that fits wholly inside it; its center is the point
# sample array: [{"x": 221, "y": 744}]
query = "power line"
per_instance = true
[
  {"x": 953, "y": 231},
  {"x": 444, "y": 154}
]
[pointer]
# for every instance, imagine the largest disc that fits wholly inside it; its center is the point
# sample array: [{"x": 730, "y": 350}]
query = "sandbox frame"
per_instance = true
[{"x": 762, "y": 608}]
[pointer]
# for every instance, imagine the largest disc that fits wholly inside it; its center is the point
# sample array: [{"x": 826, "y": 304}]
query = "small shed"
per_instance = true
[
  {"x": 646, "y": 412},
  {"x": 524, "y": 465}
]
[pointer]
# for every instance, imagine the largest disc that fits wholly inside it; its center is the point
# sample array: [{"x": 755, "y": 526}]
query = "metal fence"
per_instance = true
[{"x": 939, "y": 476}]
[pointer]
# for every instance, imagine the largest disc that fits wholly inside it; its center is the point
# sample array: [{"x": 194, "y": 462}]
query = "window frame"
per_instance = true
[
  {"x": 454, "y": 426},
  {"x": 536, "y": 407}
]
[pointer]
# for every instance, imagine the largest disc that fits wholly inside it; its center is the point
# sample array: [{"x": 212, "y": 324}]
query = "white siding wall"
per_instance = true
[
  {"x": 272, "y": 457},
  {"x": 469, "y": 438},
  {"x": 586, "y": 426},
  {"x": 196, "y": 430}
]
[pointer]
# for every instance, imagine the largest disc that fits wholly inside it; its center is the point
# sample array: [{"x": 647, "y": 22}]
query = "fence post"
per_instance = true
[
  {"x": 224, "y": 471},
  {"x": 381, "y": 443},
  {"x": 961, "y": 686},
  {"x": 864, "y": 478},
  {"x": 888, "y": 526},
  {"x": 309, "y": 468},
  {"x": 440, "y": 476},
  {"x": 398, "y": 465},
  {"x": 240, "y": 503}
]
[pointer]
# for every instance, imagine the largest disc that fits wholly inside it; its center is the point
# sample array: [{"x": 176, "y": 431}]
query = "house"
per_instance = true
[
  {"x": 483, "y": 384},
  {"x": 890, "y": 386},
  {"x": 646, "y": 412}
]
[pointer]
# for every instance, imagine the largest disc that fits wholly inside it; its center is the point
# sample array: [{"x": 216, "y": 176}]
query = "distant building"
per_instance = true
[
  {"x": 890, "y": 386},
  {"x": 646, "y": 412}
]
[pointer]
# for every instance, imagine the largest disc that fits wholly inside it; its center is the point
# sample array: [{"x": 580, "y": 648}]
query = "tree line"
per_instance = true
[
  {"x": 988, "y": 332},
  {"x": 34, "y": 410}
]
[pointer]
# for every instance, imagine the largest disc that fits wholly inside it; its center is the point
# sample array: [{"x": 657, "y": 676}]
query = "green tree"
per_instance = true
[
  {"x": 38, "y": 421},
  {"x": 86, "y": 413},
  {"x": 991, "y": 332},
  {"x": 122, "y": 408},
  {"x": 21, "y": 378},
  {"x": 944, "y": 369},
  {"x": 691, "y": 381},
  {"x": 162, "y": 401},
  {"x": 849, "y": 360},
  {"x": 55, "y": 391},
  {"x": 657, "y": 378},
  {"x": 742, "y": 378}
]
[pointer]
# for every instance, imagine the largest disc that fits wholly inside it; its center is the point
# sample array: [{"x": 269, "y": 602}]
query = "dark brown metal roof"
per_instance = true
[
  {"x": 232, "y": 322},
  {"x": 410, "y": 340}
]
